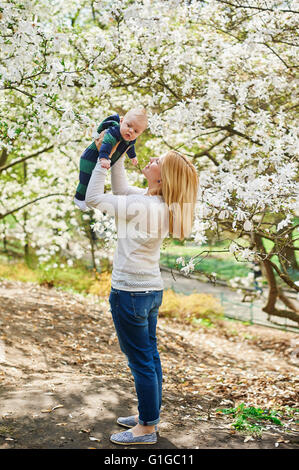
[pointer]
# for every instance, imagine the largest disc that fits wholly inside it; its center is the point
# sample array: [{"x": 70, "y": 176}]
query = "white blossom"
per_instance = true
[{"x": 203, "y": 89}]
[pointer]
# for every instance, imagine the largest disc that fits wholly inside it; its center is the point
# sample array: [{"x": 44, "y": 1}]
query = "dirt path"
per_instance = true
[{"x": 64, "y": 380}]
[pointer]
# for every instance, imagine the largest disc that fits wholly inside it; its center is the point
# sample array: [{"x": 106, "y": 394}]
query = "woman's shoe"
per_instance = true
[
  {"x": 129, "y": 422},
  {"x": 127, "y": 438}
]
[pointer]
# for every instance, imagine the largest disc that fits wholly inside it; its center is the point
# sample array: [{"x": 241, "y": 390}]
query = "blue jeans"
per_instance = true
[{"x": 135, "y": 318}]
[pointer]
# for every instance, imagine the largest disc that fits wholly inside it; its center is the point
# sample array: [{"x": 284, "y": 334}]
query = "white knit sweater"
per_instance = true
[{"x": 142, "y": 223}]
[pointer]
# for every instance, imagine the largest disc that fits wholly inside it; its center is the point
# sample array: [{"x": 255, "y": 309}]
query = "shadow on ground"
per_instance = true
[
  {"x": 85, "y": 417},
  {"x": 64, "y": 380}
]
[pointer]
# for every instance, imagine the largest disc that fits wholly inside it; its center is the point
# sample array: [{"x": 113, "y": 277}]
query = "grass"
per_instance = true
[
  {"x": 250, "y": 419},
  {"x": 75, "y": 278},
  {"x": 225, "y": 268},
  {"x": 220, "y": 262},
  {"x": 17, "y": 272},
  {"x": 181, "y": 249}
]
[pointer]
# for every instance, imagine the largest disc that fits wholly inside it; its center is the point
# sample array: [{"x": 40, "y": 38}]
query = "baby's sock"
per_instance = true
[{"x": 81, "y": 204}]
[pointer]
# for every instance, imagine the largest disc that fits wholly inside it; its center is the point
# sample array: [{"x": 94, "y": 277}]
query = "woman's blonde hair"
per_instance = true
[{"x": 179, "y": 190}]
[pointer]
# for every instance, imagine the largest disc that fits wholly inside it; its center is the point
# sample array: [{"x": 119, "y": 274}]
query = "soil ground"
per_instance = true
[{"x": 64, "y": 380}]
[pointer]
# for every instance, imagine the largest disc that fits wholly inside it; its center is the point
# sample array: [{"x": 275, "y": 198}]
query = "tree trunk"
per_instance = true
[
  {"x": 289, "y": 254},
  {"x": 27, "y": 241},
  {"x": 288, "y": 259},
  {"x": 4, "y": 244},
  {"x": 91, "y": 237},
  {"x": 274, "y": 291},
  {"x": 92, "y": 249},
  {"x": 26, "y": 246},
  {"x": 3, "y": 157}
]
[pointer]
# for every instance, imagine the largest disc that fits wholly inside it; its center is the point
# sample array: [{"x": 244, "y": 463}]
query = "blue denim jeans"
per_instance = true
[{"x": 135, "y": 318}]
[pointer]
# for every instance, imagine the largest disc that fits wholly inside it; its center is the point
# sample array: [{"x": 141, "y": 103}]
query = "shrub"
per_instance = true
[
  {"x": 102, "y": 285},
  {"x": 190, "y": 307},
  {"x": 17, "y": 272}
]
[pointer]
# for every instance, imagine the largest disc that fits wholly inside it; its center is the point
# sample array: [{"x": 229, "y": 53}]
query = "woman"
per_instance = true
[{"x": 144, "y": 217}]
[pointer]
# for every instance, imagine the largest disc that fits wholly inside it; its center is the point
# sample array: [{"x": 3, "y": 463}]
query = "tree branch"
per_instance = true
[
  {"x": 240, "y": 134},
  {"x": 21, "y": 160},
  {"x": 258, "y": 8},
  {"x": 33, "y": 98},
  {"x": 282, "y": 313},
  {"x": 207, "y": 151},
  {"x": 283, "y": 276},
  {"x": 287, "y": 301},
  {"x": 277, "y": 55},
  {"x": 2, "y": 216}
]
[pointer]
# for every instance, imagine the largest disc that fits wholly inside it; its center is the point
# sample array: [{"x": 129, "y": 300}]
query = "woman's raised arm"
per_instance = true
[
  {"x": 119, "y": 181},
  {"x": 113, "y": 204}
]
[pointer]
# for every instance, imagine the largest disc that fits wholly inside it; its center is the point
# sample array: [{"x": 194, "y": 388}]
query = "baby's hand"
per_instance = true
[
  {"x": 105, "y": 163},
  {"x": 134, "y": 161}
]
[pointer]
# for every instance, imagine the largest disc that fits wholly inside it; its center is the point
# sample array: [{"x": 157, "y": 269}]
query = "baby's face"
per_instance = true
[{"x": 131, "y": 127}]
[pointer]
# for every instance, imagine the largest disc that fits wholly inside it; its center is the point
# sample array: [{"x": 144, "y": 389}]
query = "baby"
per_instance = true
[{"x": 120, "y": 137}]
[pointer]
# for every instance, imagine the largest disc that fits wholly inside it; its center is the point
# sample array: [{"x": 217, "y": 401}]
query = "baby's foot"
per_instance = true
[{"x": 81, "y": 204}]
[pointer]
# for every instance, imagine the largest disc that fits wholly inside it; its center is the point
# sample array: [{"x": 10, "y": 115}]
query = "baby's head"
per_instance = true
[{"x": 133, "y": 123}]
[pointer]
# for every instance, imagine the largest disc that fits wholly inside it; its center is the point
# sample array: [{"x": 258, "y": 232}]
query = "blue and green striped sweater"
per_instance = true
[{"x": 90, "y": 156}]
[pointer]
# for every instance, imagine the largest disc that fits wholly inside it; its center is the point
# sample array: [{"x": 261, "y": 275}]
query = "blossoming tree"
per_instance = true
[{"x": 218, "y": 79}]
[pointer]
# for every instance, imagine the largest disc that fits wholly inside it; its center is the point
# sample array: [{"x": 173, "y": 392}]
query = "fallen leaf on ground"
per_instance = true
[
  {"x": 94, "y": 439},
  {"x": 52, "y": 409}
]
